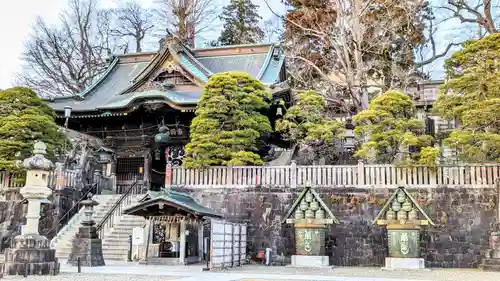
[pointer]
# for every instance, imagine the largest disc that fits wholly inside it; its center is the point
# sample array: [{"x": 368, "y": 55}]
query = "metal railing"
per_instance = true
[
  {"x": 70, "y": 214},
  {"x": 116, "y": 211}
]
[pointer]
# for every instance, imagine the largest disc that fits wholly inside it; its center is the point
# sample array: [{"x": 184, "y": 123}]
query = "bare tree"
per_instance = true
[
  {"x": 186, "y": 18},
  {"x": 65, "y": 59},
  {"x": 273, "y": 29},
  {"x": 133, "y": 21},
  {"x": 481, "y": 13},
  {"x": 345, "y": 48}
]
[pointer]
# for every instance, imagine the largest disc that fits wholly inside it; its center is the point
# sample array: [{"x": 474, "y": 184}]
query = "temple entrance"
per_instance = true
[{"x": 173, "y": 155}]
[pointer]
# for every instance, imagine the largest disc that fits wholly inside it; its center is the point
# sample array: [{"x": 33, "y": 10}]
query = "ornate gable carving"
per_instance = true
[{"x": 166, "y": 78}]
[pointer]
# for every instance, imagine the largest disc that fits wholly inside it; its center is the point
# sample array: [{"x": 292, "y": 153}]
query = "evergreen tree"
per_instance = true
[
  {"x": 393, "y": 134},
  {"x": 471, "y": 95},
  {"x": 241, "y": 23},
  {"x": 308, "y": 125},
  {"x": 228, "y": 122},
  {"x": 307, "y": 122},
  {"x": 24, "y": 119}
]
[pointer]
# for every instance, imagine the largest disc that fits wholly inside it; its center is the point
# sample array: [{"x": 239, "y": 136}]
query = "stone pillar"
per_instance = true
[
  {"x": 182, "y": 246},
  {"x": 97, "y": 178},
  {"x": 31, "y": 253},
  {"x": 87, "y": 245},
  {"x": 59, "y": 189}
]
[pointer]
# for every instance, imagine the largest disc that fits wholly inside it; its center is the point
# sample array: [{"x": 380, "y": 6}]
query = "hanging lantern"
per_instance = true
[{"x": 163, "y": 136}]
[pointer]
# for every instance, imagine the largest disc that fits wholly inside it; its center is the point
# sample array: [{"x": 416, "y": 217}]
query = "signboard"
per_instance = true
[{"x": 137, "y": 236}]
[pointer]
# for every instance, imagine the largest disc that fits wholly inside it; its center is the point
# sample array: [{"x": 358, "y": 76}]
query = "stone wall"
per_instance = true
[
  {"x": 12, "y": 216},
  {"x": 463, "y": 217}
]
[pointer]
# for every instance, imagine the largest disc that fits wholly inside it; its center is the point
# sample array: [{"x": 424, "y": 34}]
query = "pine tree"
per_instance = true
[
  {"x": 471, "y": 95},
  {"x": 241, "y": 23},
  {"x": 393, "y": 134},
  {"x": 228, "y": 122},
  {"x": 307, "y": 122},
  {"x": 24, "y": 119}
]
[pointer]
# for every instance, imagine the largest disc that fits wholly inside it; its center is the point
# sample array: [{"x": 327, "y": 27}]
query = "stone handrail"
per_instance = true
[{"x": 360, "y": 176}]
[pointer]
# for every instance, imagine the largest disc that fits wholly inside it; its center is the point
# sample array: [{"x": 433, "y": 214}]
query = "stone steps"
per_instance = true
[
  {"x": 115, "y": 243},
  {"x": 490, "y": 267},
  {"x": 491, "y": 261},
  {"x": 63, "y": 241}
]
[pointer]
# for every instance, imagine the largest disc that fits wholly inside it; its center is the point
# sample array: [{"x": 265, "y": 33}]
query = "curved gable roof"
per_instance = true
[
  {"x": 117, "y": 77},
  {"x": 116, "y": 88}
]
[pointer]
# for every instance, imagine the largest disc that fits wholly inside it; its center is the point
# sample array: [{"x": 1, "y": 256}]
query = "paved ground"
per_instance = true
[{"x": 133, "y": 272}]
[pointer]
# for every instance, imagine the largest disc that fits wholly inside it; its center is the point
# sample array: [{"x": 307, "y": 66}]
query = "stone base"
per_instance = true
[
  {"x": 310, "y": 261},
  {"x": 31, "y": 255},
  {"x": 490, "y": 265},
  {"x": 88, "y": 250},
  {"x": 404, "y": 263}
]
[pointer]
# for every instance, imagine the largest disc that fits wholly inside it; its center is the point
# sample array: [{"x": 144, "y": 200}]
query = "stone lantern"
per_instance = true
[
  {"x": 31, "y": 253},
  {"x": 86, "y": 245},
  {"x": 310, "y": 217},
  {"x": 403, "y": 217}
]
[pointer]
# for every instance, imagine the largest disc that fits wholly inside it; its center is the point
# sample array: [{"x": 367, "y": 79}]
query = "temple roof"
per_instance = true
[
  {"x": 169, "y": 202},
  {"x": 126, "y": 79}
]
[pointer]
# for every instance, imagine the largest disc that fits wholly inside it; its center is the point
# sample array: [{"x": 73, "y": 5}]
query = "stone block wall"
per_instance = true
[{"x": 463, "y": 218}]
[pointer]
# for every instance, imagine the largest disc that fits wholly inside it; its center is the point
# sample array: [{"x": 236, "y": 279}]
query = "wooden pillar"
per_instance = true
[
  {"x": 497, "y": 186},
  {"x": 168, "y": 175},
  {"x": 149, "y": 231},
  {"x": 147, "y": 168},
  {"x": 182, "y": 246},
  {"x": 200, "y": 241}
]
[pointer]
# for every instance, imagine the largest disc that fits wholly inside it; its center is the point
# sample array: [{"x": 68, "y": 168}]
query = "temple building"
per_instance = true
[{"x": 141, "y": 94}]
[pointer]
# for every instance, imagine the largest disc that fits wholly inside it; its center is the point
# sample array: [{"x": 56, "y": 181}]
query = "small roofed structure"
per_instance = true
[
  {"x": 403, "y": 217},
  {"x": 311, "y": 217},
  {"x": 175, "y": 230}
]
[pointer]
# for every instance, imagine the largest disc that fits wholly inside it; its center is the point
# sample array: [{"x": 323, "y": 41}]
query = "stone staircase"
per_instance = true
[
  {"x": 62, "y": 241},
  {"x": 116, "y": 237},
  {"x": 115, "y": 243}
]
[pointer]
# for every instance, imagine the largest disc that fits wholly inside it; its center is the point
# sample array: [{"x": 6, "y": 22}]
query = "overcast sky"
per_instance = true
[{"x": 16, "y": 17}]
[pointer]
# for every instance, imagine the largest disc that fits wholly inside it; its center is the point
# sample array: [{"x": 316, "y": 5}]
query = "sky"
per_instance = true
[{"x": 16, "y": 18}]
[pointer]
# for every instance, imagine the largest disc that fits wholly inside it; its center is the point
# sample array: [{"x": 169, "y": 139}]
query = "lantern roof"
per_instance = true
[
  {"x": 399, "y": 198},
  {"x": 38, "y": 160},
  {"x": 304, "y": 202}
]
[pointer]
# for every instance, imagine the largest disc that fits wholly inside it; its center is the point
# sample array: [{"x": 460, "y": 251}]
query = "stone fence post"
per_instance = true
[
  {"x": 361, "y": 173},
  {"x": 293, "y": 174}
]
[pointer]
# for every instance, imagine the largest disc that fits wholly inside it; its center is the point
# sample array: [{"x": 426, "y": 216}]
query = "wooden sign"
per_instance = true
[{"x": 137, "y": 236}]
